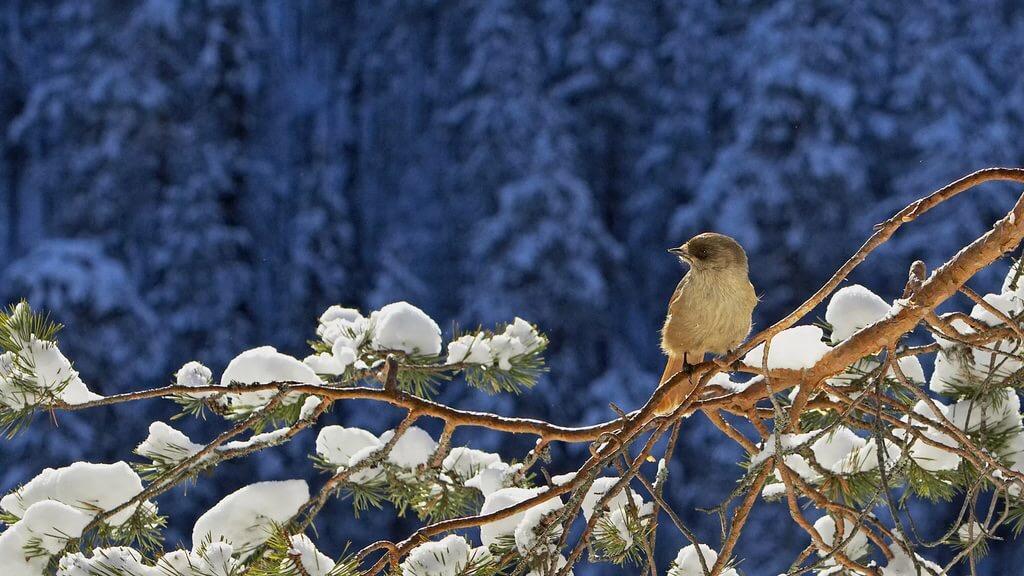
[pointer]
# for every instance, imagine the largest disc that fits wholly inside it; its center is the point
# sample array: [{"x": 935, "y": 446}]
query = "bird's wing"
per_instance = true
[{"x": 676, "y": 295}]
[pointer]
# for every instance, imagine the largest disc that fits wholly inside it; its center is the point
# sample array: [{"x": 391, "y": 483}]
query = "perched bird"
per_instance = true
[{"x": 710, "y": 310}]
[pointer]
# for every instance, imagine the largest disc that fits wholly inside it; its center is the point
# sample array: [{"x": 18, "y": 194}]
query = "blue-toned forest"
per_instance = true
[{"x": 186, "y": 179}]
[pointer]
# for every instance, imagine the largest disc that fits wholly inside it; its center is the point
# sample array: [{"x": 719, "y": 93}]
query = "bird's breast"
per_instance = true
[{"x": 710, "y": 311}]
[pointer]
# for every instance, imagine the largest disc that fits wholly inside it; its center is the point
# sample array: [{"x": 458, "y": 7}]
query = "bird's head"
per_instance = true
[{"x": 712, "y": 251}]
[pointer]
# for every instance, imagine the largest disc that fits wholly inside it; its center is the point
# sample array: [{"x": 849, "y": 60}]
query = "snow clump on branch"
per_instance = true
[
  {"x": 264, "y": 365},
  {"x": 166, "y": 444},
  {"x": 115, "y": 560},
  {"x": 89, "y": 487},
  {"x": 214, "y": 559},
  {"x": 404, "y": 327},
  {"x": 37, "y": 372},
  {"x": 313, "y": 562},
  {"x": 45, "y": 528},
  {"x": 518, "y": 338},
  {"x": 57, "y": 505},
  {"x": 856, "y": 545},
  {"x": 246, "y": 517},
  {"x": 688, "y": 562},
  {"x": 492, "y": 532},
  {"x": 795, "y": 348},
  {"x": 450, "y": 556},
  {"x": 852, "y": 308}
]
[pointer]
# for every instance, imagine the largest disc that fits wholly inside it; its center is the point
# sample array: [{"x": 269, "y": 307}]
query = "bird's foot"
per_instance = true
[{"x": 727, "y": 366}]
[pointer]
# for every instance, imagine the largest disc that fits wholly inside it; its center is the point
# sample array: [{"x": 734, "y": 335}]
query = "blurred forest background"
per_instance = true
[{"x": 187, "y": 179}]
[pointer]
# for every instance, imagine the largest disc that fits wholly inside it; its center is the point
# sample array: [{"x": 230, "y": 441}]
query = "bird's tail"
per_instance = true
[
  {"x": 674, "y": 364},
  {"x": 676, "y": 396}
]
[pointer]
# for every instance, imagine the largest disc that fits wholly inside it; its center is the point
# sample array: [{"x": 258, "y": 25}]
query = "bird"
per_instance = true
[{"x": 711, "y": 310}]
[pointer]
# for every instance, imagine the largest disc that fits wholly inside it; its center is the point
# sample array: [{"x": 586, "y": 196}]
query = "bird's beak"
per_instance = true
[{"x": 680, "y": 252}]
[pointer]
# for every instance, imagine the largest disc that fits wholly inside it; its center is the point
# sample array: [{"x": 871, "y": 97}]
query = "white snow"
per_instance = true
[
  {"x": 909, "y": 366},
  {"x": 599, "y": 488},
  {"x": 865, "y": 458},
  {"x": 414, "y": 448},
  {"x": 525, "y": 333},
  {"x": 366, "y": 475},
  {"x": 470, "y": 349},
  {"x": 948, "y": 371},
  {"x": 402, "y": 326},
  {"x": 257, "y": 439},
  {"x": 723, "y": 380},
  {"x": 505, "y": 498},
  {"x": 493, "y": 478},
  {"x": 1014, "y": 451},
  {"x": 313, "y": 562},
  {"x": 345, "y": 356},
  {"x": 328, "y": 364},
  {"x": 83, "y": 485},
  {"x": 343, "y": 324},
  {"x": 562, "y": 479},
  {"x": 467, "y": 462},
  {"x": 166, "y": 444},
  {"x": 345, "y": 330},
  {"x": 194, "y": 375},
  {"x": 528, "y": 531},
  {"x": 932, "y": 458},
  {"x": 970, "y": 531},
  {"x": 959, "y": 326},
  {"x": 902, "y": 565},
  {"x": 47, "y": 524},
  {"x": 518, "y": 338},
  {"x": 857, "y": 545},
  {"x": 1001, "y": 412},
  {"x": 852, "y": 308},
  {"x": 445, "y": 557},
  {"x": 53, "y": 523},
  {"x": 839, "y": 451},
  {"x": 688, "y": 562},
  {"x": 337, "y": 312},
  {"x": 213, "y": 560},
  {"x": 309, "y": 406},
  {"x": 618, "y": 508},
  {"x": 618, "y": 520},
  {"x": 929, "y": 457},
  {"x": 996, "y": 359},
  {"x": 50, "y": 373},
  {"x": 264, "y": 365},
  {"x": 795, "y": 348},
  {"x": 557, "y": 564},
  {"x": 119, "y": 559},
  {"x": 789, "y": 442},
  {"x": 1010, "y": 276},
  {"x": 244, "y": 517},
  {"x": 773, "y": 490},
  {"x": 338, "y": 445},
  {"x": 801, "y": 467},
  {"x": 504, "y": 348},
  {"x": 833, "y": 448},
  {"x": 1009, "y": 304}
]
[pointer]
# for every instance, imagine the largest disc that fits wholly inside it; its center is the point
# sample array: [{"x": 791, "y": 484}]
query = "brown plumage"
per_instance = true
[{"x": 710, "y": 310}]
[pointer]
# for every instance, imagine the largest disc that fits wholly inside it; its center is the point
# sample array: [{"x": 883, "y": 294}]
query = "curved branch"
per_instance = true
[{"x": 396, "y": 398}]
